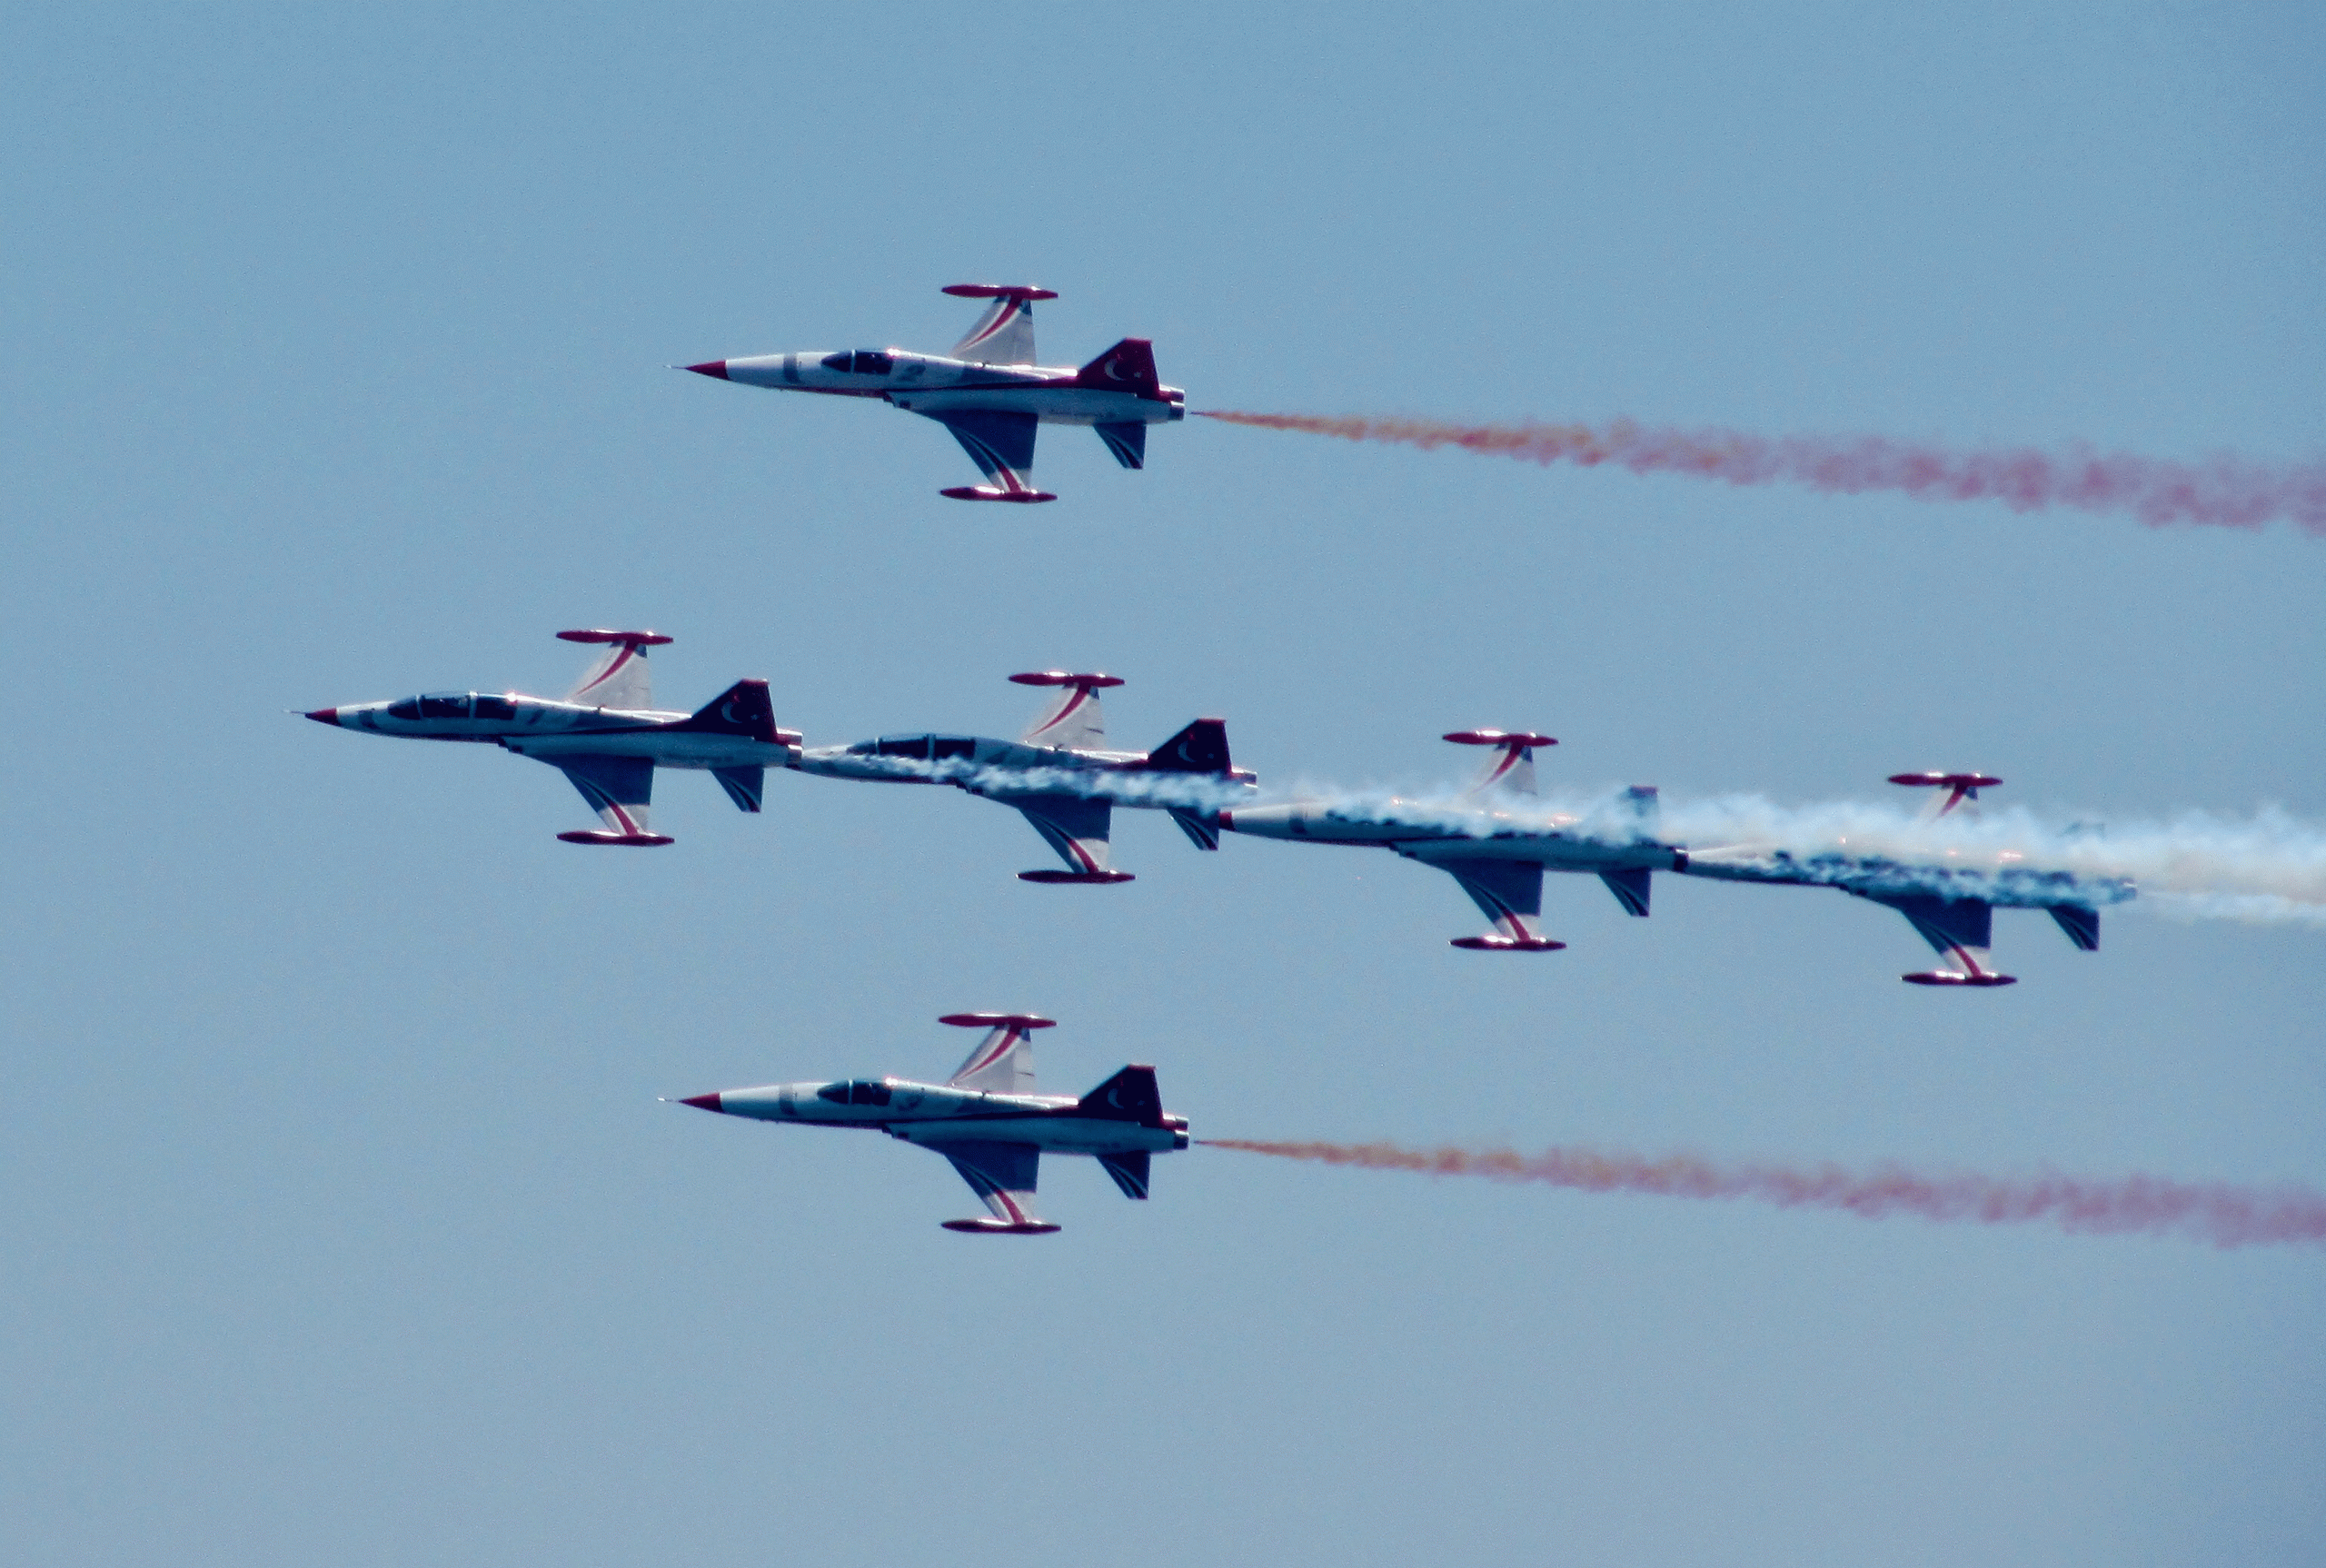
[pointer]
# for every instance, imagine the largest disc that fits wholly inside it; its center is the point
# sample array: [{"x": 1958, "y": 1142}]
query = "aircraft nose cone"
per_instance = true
[
  {"x": 708, "y": 368},
  {"x": 703, "y": 1102},
  {"x": 324, "y": 715}
]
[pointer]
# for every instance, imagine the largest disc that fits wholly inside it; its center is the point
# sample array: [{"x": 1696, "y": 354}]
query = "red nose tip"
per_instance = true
[
  {"x": 703, "y": 1102},
  {"x": 708, "y": 368},
  {"x": 324, "y": 715}
]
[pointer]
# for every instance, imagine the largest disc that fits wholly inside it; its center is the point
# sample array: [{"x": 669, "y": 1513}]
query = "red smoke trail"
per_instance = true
[
  {"x": 2220, "y": 493},
  {"x": 2224, "y": 1216}
]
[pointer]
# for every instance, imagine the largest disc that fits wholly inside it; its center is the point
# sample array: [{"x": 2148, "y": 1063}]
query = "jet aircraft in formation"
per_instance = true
[
  {"x": 1959, "y": 927},
  {"x": 608, "y": 738},
  {"x": 989, "y": 1119},
  {"x": 605, "y": 734},
  {"x": 1498, "y": 859},
  {"x": 1064, "y": 745},
  {"x": 989, "y": 391},
  {"x": 1498, "y": 852}
]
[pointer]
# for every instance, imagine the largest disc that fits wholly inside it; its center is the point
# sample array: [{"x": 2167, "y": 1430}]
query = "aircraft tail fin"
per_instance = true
[
  {"x": 1128, "y": 367},
  {"x": 743, "y": 708},
  {"x": 1130, "y": 1096},
  {"x": 1201, "y": 747}
]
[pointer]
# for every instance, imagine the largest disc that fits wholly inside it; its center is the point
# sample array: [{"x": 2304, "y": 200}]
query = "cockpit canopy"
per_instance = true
[
  {"x": 862, "y": 1092},
  {"x": 919, "y": 747},
  {"x": 862, "y": 363},
  {"x": 454, "y": 705}
]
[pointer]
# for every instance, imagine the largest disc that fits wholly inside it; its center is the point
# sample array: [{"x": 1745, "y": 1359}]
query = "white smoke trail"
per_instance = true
[{"x": 2269, "y": 868}]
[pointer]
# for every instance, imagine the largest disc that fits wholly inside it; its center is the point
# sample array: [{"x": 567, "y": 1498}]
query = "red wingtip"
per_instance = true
[
  {"x": 717, "y": 368},
  {"x": 703, "y": 1102},
  {"x": 1498, "y": 737},
  {"x": 323, "y": 715}
]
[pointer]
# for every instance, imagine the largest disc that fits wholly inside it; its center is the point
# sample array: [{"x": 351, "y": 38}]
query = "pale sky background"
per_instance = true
[{"x": 344, "y": 1225}]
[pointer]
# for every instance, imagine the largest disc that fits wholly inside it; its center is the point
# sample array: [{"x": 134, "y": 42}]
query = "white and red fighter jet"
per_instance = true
[
  {"x": 989, "y": 391},
  {"x": 1950, "y": 904},
  {"x": 605, "y": 734},
  {"x": 988, "y": 1119},
  {"x": 1059, "y": 773},
  {"x": 1487, "y": 842}
]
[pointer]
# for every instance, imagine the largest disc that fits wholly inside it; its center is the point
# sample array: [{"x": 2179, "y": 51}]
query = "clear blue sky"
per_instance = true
[{"x": 343, "y": 1223}]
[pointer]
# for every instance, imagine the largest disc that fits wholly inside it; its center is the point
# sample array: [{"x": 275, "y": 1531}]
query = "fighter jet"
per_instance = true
[
  {"x": 605, "y": 734},
  {"x": 988, "y": 1119},
  {"x": 1959, "y": 926},
  {"x": 989, "y": 391},
  {"x": 1498, "y": 853},
  {"x": 1043, "y": 773}
]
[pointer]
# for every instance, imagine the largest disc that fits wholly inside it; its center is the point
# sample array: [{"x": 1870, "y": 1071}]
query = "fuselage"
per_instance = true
[
  {"x": 940, "y": 1114},
  {"x": 980, "y": 764},
  {"x": 934, "y": 386},
  {"x": 548, "y": 729},
  {"x": 2000, "y": 877},
  {"x": 1461, "y": 836}
]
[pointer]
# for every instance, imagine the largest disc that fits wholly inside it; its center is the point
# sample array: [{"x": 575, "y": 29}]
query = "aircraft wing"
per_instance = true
[
  {"x": 619, "y": 789},
  {"x": 1510, "y": 894},
  {"x": 1076, "y": 826},
  {"x": 1960, "y": 929},
  {"x": 617, "y": 677},
  {"x": 1001, "y": 444},
  {"x": 1003, "y": 1175}
]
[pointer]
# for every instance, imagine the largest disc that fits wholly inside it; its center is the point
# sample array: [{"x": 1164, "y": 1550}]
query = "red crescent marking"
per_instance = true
[
  {"x": 628, "y": 651},
  {"x": 1081, "y": 695}
]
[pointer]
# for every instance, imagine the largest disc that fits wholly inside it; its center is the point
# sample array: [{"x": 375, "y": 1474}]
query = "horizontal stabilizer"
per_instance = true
[
  {"x": 742, "y": 785},
  {"x": 1126, "y": 442},
  {"x": 1201, "y": 829},
  {"x": 1630, "y": 888},
  {"x": 2082, "y": 923},
  {"x": 1128, "y": 367},
  {"x": 1130, "y": 1096},
  {"x": 1129, "y": 1171}
]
